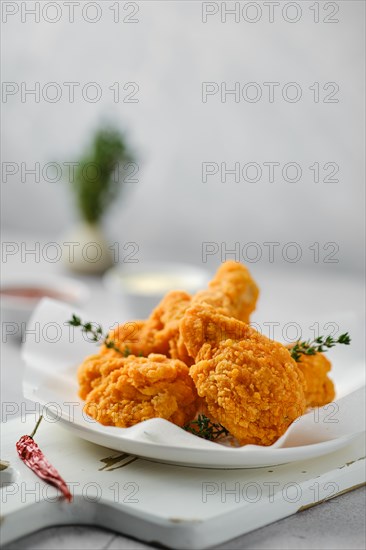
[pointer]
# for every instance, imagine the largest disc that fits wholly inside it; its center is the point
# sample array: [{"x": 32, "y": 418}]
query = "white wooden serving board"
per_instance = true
[{"x": 176, "y": 506}]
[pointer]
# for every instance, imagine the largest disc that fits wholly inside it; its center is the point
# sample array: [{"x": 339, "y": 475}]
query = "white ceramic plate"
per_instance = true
[{"x": 50, "y": 379}]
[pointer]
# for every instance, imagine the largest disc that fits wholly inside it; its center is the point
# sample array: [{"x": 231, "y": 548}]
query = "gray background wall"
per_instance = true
[{"x": 169, "y": 52}]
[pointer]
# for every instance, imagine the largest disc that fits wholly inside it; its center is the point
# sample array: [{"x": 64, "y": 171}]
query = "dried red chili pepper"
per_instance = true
[{"x": 33, "y": 457}]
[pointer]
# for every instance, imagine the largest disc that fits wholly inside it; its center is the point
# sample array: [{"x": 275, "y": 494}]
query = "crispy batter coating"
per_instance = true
[
  {"x": 203, "y": 324},
  {"x": 158, "y": 334},
  {"x": 238, "y": 377},
  {"x": 140, "y": 388},
  {"x": 232, "y": 291},
  {"x": 249, "y": 383},
  {"x": 319, "y": 388},
  {"x": 93, "y": 369}
]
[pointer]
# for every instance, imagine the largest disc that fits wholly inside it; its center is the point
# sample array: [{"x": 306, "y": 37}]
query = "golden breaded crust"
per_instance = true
[
  {"x": 143, "y": 388},
  {"x": 319, "y": 388},
  {"x": 128, "y": 337},
  {"x": 239, "y": 378},
  {"x": 232, "y": 292},
  {"x": 249, "y": 383},
  {"x": 93, "y": 368},
  {"x": 158, "y": 334},
  {"x": 255, "y": 397},
  {"x": 203, "y": 324}
]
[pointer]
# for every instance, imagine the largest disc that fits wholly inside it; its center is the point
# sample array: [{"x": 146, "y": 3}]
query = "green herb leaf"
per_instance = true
[
  {"x": 203, "y": 427},
  {"x": 95, "y": 334},
  {"x": 127, "y": 352},
  {"x": 319, "y": 345}
]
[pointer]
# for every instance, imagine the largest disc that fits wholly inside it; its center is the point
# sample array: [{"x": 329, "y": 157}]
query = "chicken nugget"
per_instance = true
[
  {"x": 143, "y": 388},
  {"x": 93, "y": 368}
]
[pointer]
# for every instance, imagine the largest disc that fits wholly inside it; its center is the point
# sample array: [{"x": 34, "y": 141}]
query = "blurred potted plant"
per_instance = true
[{"x": 96, "y": 183}]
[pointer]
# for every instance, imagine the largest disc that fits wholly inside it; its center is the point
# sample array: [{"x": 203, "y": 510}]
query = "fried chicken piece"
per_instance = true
[
  {"x": 158, "y": 334},
  {"x": 93, "y": 369},
  {"x": 178, "y": 350},
  {"x": 139, "y": 388},
  {"x": 249, "y": 384},
  {"x": 319, "y": 388},
  {"x": 231, "y": 292},
  {"x": 202, "y": 324}
]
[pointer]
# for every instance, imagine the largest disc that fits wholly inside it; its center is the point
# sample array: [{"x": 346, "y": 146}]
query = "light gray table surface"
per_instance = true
[{"x": 336, "y": 524}]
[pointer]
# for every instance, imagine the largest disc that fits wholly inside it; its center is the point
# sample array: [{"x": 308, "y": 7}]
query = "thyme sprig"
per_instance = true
[
  {"x": 94, "y": 333},
  {"x": 320, "y": 344},
  {"x": 203, "y": 427}
]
